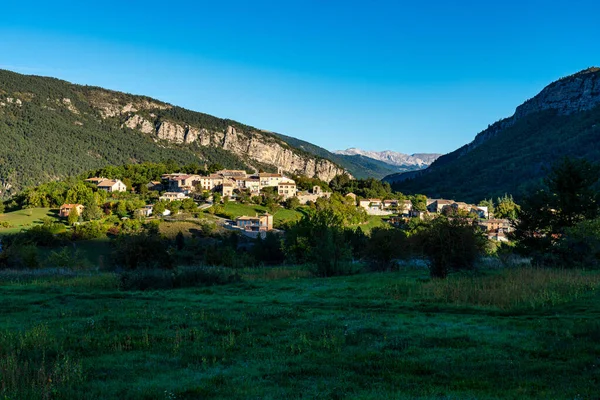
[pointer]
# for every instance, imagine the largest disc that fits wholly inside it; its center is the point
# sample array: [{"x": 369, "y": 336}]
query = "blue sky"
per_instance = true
[{"x": 377, "y": 75}]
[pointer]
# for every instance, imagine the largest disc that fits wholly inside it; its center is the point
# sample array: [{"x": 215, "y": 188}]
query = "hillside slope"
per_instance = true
[
  {"x": 52, "y": 128},
  {"x": 513, "y": 155}
]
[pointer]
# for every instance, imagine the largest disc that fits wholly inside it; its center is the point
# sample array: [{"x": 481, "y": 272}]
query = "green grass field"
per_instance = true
[
  {"x": 23, "y": 219},
  {"x": 511, "y": 334},
  {"x": 373, "y": 221}
]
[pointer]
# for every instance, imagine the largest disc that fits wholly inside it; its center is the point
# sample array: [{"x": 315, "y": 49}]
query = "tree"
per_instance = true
[
  {"x": 2, "y": 208},
  {"x": 567, "y": 198},
  {"x": 91, "y": 211},
  {"x": 159, "y": 208},
  {"x": 506, "y": 208},
  {"x": 73, "y": 216},
  {"x": 419, "y": 202},
  {"x": 216, "y": 198},
  {"x": 292, "y": 203},
  {"x": 385, "y": 246},
  {"x": 450, "y": 244}
]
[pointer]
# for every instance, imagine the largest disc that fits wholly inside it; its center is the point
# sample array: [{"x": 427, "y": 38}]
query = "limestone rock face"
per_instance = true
[
  {"x": 140, "y": 123},
  {"x": 171, "y": 131},
  {"x": 252, "y": 146}
]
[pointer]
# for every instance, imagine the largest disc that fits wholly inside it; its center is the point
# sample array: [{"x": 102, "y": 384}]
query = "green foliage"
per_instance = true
[
  {"x": 292, "y": 203},
  {"x": 2, "y": 208},
  {"x": 505, "y": 208},
  {"x": 580, "y": 245},
  {"x": 318, "y": 238},
  {"x": 269, "y": 250},
  {"x": 568, "y": 198},
  {"x": 385, "y": 246},
  {"x": 73, "y": 216},
  {"x": 450, "y": 244},
  {"x": 343, "y": 208}
]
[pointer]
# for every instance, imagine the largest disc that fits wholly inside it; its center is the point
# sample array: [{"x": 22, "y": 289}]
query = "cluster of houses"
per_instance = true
[{"x": 224, "y": 182}]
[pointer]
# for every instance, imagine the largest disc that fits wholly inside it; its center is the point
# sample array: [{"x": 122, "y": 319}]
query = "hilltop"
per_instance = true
[
  {"x": 513, "y": 154},
  {"x": 52, "y": 129}
]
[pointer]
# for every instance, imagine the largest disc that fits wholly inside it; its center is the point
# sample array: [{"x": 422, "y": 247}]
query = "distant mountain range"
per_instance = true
[
  {"x": 514, "y": 154},
  {"x": 418, "y": 160}
]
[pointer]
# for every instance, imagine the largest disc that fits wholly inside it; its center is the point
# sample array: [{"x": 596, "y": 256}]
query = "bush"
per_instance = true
[
  {"x": 156, "y": 279},
  {"x": 20, "y": 256}
]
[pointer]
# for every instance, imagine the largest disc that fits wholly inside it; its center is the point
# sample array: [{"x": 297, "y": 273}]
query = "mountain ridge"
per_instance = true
[
  {"x": 561, "y": 120},
  {"x": 52, "y": 128}
]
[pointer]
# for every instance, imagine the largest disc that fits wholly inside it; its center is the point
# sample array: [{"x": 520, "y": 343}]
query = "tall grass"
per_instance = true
[
  {"x": 33, "y": 366},
  {"x": 510, "y": 288}
]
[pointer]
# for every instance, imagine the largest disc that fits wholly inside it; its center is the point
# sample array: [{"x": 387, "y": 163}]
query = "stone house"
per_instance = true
[
  {"x": 66, "y": 209},
  {"x": 112, "y": 185},
  {"x": 146, "y": 211},
  {"x": 269, "y": 180},
  {"x": 287, "y": 189},
  {"x": 170, "y": 196},
  {"x": 259, "y": 223}
]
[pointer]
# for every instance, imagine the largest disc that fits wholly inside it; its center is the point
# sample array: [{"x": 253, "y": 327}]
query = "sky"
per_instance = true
[{"x": 380, "y": 75}]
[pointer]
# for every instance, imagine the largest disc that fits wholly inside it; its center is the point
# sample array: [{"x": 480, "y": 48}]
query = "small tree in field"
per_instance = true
[{"x": 73, "y": 216}]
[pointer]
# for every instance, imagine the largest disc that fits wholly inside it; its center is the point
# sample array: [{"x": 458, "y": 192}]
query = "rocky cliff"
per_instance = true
[{"x": 250, "y": 144}]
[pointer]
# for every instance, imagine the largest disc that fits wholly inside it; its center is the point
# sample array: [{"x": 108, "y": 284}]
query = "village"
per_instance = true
[{"x": 227, "y": 185}]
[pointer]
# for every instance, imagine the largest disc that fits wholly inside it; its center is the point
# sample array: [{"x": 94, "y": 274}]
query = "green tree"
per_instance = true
[
  {"x": 159, "y": 208},
  {"x": 506, "y": 208},
  {"x": 2, "y": 208},
  {"x": 450, "y": 244},
  {"x": 567, "y": 198},
  {"x": 73, "y": 216},
  {"x": 91, "y": 211},
  {"x": 292, "y": 203}
]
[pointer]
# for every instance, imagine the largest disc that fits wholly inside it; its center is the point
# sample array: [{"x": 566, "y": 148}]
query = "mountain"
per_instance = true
[
  {"x": 357, "y": 165},
  {"x": 418, "y": 160},
  {"x": 51, "y": 128},
  {"x": 514, "y": 154}
]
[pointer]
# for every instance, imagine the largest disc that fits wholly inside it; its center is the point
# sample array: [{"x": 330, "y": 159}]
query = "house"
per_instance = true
[
  {"x": 287, "y": 189},
  {"x": 112, "y": 185},
  {"x": 481, "y": 211},
  {"x": 438, "y": 205},
  {"x": 370, "y": 204},
  {"x": 66, "y": 209},
  {"x": 315, "y": 194},
  {"x": 211, "y": 182},
  {"x": 227, "y": 188},
  {"x": 497, "y": 235},
  {"x": 405, "y": 207},
  {"x": 170, "y": 196},
  {"x": 269, "y": 180},
  {"x": 251, "y": 184},
  {"x": 155, "y": 185},
  {"x": 259, "y": 223},
  {"x": 387, "y": 204},
  {"x": 146, "y": 211},
  {"x": 495, "y": 224},
  {"x": 185, "y": 183},
  {"x": 95, "y": 181}
]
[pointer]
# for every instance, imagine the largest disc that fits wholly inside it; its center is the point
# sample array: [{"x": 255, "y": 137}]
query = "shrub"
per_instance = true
[
  {"x": 141, "y": 250},
  {"x": 384, "y": 247}
]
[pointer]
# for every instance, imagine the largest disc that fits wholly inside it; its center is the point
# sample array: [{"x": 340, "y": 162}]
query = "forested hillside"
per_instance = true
[
  {"x": 514, "y": 154},
  {"x": 50, "y": 129}
]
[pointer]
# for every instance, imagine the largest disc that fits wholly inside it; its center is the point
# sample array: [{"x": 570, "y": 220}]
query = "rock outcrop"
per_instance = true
[{"x": 253, "y": 146}]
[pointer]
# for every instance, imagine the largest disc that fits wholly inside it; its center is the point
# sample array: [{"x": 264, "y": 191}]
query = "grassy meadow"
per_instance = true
[
  {"x": 280, "y": 333},
  {"x": 25, "y": 218},
  {"x": 282, "y": 215}
]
